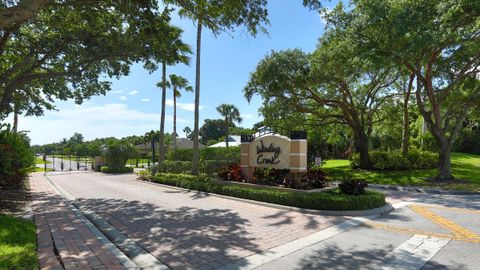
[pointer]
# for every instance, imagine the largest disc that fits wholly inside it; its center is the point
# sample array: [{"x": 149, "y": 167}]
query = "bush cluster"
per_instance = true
[
  {"x": 329, "y": 200},
  {"x": 209, "y": 167},
  {"x": 313, "y": 178},
  {"x": 16, "y": 159},
  {"x": 395, "y": 160},
  {"x": 231, "y": 173},
  {"x": 352, "y": 186},
  {"x": 169, "y": 166},
  {"x": 107, "y": 169},
  {"x": 117, "y": 152},
  {"x": 231, "y": 154}
]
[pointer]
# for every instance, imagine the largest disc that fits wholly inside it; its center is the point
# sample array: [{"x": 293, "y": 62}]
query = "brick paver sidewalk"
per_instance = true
[
  {"x": 188, "y": 230},
  {"x": 64, "y": 241}
]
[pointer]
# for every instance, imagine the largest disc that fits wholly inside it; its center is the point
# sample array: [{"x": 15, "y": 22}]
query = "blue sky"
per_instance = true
[{"x": 132, "y": 107}]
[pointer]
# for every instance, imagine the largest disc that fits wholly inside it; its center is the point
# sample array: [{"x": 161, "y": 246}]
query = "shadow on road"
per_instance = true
[{"x": 181, "y": 238}]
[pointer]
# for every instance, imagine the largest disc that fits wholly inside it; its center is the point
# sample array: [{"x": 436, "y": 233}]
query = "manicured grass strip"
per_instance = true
[
  {"x": 329, "y": 200},
  {"x": 465, "y": 167},
  {"x": 17, "y": 244},
  {"x": 39, "y": 160}
]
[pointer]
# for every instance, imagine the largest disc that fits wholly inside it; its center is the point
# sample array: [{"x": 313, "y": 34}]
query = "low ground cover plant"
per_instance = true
[
  {"x": 107, "y": 169},
  {"x": 328, "y": 200},
  {"x": 396, "y": 160}
]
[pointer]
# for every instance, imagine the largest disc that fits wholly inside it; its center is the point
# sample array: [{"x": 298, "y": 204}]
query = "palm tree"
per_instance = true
[
  {"x": 151, "y": 137},
  {"x": 177, "y": 83},
  {"x": 231, "y": 114},
  {"x": 187, "y": 131}
]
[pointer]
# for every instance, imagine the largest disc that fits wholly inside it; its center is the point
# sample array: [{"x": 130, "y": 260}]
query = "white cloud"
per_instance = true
[
  {"x": 134, "y": 92},
  {"x": 182, "y": 106},
  {"x": 145, "y": 100},
  {"x": 108, "y": 120},
  {"x": 247, "y": 116},
  {"x": 123, "y": 98}
]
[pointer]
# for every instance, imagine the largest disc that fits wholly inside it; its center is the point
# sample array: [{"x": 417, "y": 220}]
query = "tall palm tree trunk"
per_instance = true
[
  {"x": 174, "y": 119},
  {"x": 226, "y": 132},
  {"x": 161, "y": 139},
  {"x": 196, "y": 154}
]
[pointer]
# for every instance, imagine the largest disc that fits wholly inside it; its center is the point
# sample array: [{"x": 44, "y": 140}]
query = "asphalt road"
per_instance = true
[{"x": 188, "y": 230}]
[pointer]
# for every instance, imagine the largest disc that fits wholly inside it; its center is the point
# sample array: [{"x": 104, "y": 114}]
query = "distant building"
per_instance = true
[
  {"x": 233, "y": 140},
  {"x": 182, "y": 143}
]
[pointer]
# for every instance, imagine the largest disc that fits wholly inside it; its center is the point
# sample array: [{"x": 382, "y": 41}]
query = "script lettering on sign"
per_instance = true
[{"x": 273, "y": 159}]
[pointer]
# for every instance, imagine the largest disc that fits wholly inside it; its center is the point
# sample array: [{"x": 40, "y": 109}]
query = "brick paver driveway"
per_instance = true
[{"x": 188, "y": 230}]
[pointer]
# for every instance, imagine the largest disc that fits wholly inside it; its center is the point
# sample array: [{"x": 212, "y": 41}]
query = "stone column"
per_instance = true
[
  {"x": 298, "y": 151},
  {"x": 247, "y": 171}
]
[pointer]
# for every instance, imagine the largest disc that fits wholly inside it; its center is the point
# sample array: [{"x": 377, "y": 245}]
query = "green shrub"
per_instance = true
[
  {"x": 107, "y": 169},
  {"x": 395, "y": 160},
  {"x": 16, "y": 159},
  {"x": 170, "y": 166},
  {"x": 232, "y": 153},
  {"x": 311, "y": 179},
  {"x": 232, "y": 172},
  {"x": 212, "y": 167},
  {"x": 117, "y": 152},
  {"x": 180, "y": 155},
  {"x": 329, "y": 200},
  {"x": 352, "y": 186}
]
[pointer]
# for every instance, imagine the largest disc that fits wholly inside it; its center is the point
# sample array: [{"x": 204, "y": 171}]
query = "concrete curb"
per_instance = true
[
  {"x": 137, "y": 254},
  {"x": 354, "y": 213},
  {"x": 422, "y": 190},
  {"x": 130, "y": 254}
]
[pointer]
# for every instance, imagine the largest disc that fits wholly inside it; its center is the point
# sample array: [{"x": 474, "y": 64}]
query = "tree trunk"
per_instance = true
[
  {"x": 444, "y": 162},
  {"x": 174, "y": 120},
  {"x": 161, "y": 147},
  {"x": 406, "y": 119},
  {"x": 361, "y": 145},
  {"x": 195, "y": 152},
  {"x": 15, "y": 118},
  {"x": 226, "y": 132}
]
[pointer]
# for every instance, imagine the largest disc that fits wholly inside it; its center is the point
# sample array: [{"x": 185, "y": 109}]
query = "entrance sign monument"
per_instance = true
[{"x": 273, "y": 151}]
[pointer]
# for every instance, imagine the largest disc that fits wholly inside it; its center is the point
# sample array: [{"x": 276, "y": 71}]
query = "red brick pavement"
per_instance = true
[
  {"x": 63, "y": 240},
  {"x": 189, "y": 230}
]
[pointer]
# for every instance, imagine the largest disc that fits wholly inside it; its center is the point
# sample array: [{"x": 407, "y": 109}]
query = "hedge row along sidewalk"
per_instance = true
[{"x": 328, "y": 200}]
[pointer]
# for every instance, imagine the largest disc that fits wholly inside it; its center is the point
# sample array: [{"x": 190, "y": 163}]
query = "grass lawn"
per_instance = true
[
  {"x": 465, "y": 167},
  {"x": 17, "y": 244},
  {"x": 39, "y": 160}
]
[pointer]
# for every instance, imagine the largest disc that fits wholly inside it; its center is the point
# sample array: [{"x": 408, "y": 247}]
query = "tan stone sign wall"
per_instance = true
[{"x": 272, "y": 151}]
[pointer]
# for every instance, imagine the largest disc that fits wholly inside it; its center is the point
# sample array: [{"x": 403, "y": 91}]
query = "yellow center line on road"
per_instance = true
[
  {"x": 449, "y": 225},
  {"x": 457, "y": 232},
  {"x": 454, "y": 209}
]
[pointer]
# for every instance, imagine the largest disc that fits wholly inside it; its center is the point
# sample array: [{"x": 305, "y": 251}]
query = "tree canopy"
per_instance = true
[{"x": 69, "y": 50}]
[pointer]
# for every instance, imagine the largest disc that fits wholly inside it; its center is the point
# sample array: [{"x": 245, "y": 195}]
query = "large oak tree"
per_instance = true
[{"x": 438, "y": 42}]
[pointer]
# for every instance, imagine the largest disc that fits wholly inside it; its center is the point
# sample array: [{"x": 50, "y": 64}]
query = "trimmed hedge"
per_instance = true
[
  {"x": 395, "y": 160},
  {"x": 106, "y": 169},
  {"x": 232, "y": 154},
  {"x": 328, "y": 200},
  {"x": 210, "y": 167},
  {"x": 176, "y": 166}
]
